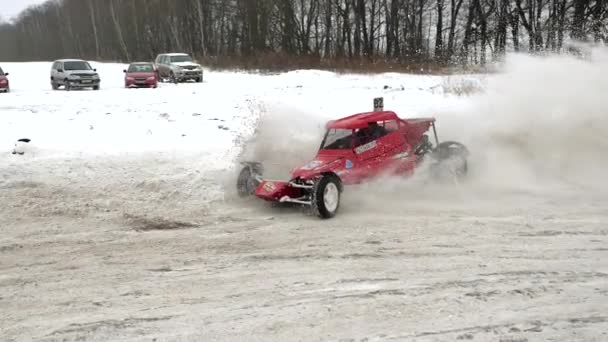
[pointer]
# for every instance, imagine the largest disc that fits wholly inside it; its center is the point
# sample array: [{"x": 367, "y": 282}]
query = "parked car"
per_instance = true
[
  {"x": 141, "y": 74},
  {"x": 178, "y": 67},
  {"x": 74, "y": 74},
  {"x": 4, "y": 84}
]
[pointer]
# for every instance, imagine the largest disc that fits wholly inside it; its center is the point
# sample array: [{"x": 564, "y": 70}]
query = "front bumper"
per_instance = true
[
  {"x": 281, "y": 191},
  {"x": 140, "y": 84},
  {"x": 184, "y": 75},
  {"x": 84, "y": 83}
]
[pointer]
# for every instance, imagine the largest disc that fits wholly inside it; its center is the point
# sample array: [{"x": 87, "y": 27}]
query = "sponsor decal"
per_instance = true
[
  {"x": 313, "y": 164},
  {"x": 349, "y": 164},
  {"x": 269, "y": 186},
  {"x": 402, "y": 155},
  {"x": 366, "y": 147}
]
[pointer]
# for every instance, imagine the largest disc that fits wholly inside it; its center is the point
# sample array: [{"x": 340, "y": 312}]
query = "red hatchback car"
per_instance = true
[
  {"x": 4, "y": 85},
  {"x": 141, "y": 75}
]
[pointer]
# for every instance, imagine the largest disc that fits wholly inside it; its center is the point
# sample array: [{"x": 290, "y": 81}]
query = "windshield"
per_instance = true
[
  {"x": 178, "y": 59},
  {"x": 77, "y": 65},
  {"x": 338, "y": 139},
  {"x": 141, "y": 68}
]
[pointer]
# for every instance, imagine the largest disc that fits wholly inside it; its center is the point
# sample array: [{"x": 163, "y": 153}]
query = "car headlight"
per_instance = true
[
  {"x": 3, "y": 81},
  {"x": 96, "y": 76},
  {"x": 130, "y": 79},
  {"x": 74, "y": 77},
  {"x": 151, "y": 78}
]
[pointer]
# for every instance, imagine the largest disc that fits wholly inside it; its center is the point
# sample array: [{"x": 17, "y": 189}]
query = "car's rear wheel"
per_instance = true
[
  {"x": 326, "y": 196},
  {"x": 451, "y": 162}
]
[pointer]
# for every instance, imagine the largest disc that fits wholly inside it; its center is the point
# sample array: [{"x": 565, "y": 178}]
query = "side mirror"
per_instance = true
[
  {"x": 6, "y": 74},
  {"x": 125, "y": 71},
  {"x": 94, "y": 69}
]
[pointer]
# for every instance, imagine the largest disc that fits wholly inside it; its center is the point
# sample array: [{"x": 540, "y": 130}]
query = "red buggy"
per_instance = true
[{"x": 356, "y": 149}]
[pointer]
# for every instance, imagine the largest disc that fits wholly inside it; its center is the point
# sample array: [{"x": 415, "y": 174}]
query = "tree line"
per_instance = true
[{"x": 400, "y": 31}]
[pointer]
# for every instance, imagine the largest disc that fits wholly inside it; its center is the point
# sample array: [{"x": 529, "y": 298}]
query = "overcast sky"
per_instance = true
[{"x": 10, "y": 8}]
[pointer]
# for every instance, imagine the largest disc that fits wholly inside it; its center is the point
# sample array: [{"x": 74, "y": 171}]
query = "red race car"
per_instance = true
[
  {"x": 141, "y": 75},
  {"x": 356, "y": 149}
]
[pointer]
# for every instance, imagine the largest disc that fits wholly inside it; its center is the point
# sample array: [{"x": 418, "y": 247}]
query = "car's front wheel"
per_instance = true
[
  {"x": 249, "y": 179},
  {"x": 326, "y": 196}
]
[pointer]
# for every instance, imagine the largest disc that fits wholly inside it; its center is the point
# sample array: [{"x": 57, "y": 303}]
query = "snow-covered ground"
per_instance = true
[{"x": 120, "y": 223}]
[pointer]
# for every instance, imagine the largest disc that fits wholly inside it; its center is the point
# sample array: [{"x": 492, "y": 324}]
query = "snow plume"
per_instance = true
[
  {"x": 542, "y": 123},
  {"x": 283, "y": 138}
]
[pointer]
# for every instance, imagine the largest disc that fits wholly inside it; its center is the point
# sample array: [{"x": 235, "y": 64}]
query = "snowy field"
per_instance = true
[{"x": 120, "y": 223}]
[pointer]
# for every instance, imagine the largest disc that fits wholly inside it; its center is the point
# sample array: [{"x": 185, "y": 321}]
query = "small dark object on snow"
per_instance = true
[{"x": 17, "y": 149}]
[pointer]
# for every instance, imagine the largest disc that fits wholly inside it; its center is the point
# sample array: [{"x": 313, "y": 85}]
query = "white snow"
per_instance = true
[{"x": 191, "y": 118}]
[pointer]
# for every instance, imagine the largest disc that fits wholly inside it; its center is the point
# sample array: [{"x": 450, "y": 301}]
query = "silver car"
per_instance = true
[
  {"x": 178, "y": 67},
  {"x": 74, "y": 74}
]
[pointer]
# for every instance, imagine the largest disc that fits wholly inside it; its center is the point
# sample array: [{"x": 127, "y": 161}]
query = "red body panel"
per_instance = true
[
  {"x": 274, "y": 191},
  {"x": 391, "y": 154}
]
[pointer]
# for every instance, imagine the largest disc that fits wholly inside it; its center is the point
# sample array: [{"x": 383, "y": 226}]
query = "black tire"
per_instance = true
[
  {"x": 54, "y": 85},
  {"x": 247, "y": 181},
  {"x": 451, "y": 162},
  {"x": 66, "y": 84},
  {"x": 199, "y": 80},
  {"x": 96, "y": 87},
  {"x": 173, "y": 78},
  {"x": 322, "y": 205}
]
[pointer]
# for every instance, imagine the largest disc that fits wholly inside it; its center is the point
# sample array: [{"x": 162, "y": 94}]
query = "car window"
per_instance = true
[
  {"x": 338, "y": 139},
  {"x": 179, "y": 59},
  {"x": 375, "y": 130},
  {"x": 141, "y": 68},
  {"x": 77, "y": 65},
  {"x": 1, "y": 72}
]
